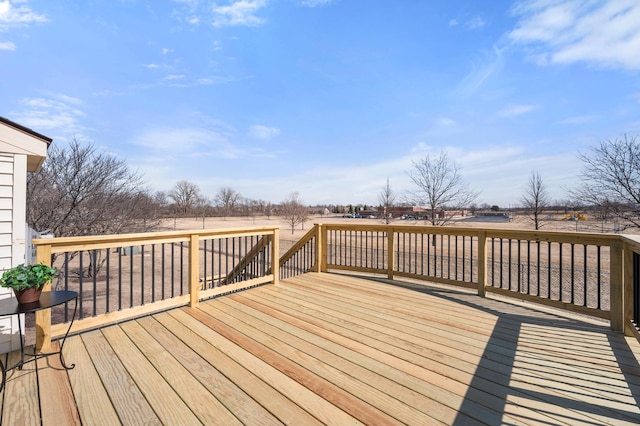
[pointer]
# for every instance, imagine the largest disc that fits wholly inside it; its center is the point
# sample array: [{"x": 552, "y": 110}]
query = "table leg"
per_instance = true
[
  {"x": 64, "y": 339},
  {"x": 4, "y": 373}
]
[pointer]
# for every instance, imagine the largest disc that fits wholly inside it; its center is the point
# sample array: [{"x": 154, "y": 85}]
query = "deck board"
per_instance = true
[
  {"x": 127, "y": 399},
  {"x": 340, "y": 349},
  {"x": 92, "y": 399},
  {"x": 57, "y": 403},
  {"x": 21, "y": 394}
]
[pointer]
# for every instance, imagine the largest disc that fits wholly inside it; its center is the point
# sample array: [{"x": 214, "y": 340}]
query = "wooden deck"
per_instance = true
[{"x": 335, "y": 349}]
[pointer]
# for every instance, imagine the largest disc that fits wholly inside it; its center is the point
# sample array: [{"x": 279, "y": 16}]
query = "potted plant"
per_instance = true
[{"x": 27, "y": 281}]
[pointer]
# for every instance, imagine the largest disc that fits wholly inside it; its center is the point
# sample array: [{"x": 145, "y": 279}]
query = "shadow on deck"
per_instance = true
[{"x": 339, "y": 349}]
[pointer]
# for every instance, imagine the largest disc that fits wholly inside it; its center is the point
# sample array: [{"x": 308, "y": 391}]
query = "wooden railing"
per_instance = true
[
  {"x": 631, "y": 288},
  {"x": 302, "y": 256},
  {"x": 588, "y": 273},
  {"x": 125, "y": 276}
]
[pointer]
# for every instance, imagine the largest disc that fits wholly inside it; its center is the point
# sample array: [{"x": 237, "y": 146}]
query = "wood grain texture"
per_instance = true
[{"x": 326, "y": 348}]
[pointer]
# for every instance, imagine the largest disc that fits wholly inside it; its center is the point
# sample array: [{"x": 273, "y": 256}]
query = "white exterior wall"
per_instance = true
[{"x": 13, "y": 190}]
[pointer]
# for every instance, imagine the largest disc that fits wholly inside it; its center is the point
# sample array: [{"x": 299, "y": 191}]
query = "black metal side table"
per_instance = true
[{"x": 47, "y": 300}]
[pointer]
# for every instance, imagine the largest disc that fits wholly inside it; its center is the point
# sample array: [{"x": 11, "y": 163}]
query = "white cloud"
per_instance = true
[
  {"x": 314, "y": 3},
  {"x": 171, "y": 141},
  {"x": 604, "y": 32},
  {"x": 446, "y": 121},
  {"x": 515, "y": 110},
  {"x": 259, "y": 131},
  {"x": 238, "y": 13},
  {"x": 203, "y": 81},
  {"x": 60, "y": 112},
  {"x": 173, "y": 77},
  {"x": 453, "y": 22},
  {"x": 12, "y": 16},
  {"x": 490, "y": 64},
  {"x": 475, "y": 23},
  {"x": 578, "y": 119}
]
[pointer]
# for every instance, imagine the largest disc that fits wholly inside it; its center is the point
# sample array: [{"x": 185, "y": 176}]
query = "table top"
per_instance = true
[{"x": 47, "y": 300}]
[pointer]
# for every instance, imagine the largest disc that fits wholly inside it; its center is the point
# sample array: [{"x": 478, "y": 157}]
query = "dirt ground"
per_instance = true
[{"x": 552, "y": 223}]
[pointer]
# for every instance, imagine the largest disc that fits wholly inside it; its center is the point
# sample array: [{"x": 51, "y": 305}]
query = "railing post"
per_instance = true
[
  {"x": 390, "y": 252},
  {"x": 194, "y": 270},
  {"x": 321, "y": 247},
  {"x": 627, "y": 290},
  {"x": 482, "y": 263},
  {"x": 43, "y": 317},
  {"x": 275, "y": 257},
  {"x": 616, "y": 286}
]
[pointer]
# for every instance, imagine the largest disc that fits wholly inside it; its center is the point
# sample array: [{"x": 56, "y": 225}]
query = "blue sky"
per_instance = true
[{"x": 327, "y": 98}]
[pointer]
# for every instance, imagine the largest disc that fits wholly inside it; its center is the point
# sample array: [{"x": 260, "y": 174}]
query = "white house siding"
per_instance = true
[{"x": 13, "y": 173}]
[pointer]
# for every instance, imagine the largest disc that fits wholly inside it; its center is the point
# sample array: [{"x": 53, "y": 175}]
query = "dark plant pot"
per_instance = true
[{"x": 28, "y": 295}]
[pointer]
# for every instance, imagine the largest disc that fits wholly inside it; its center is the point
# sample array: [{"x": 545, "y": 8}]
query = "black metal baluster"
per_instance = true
[
  {"x": 131, "y": 276},
  {"x": 585, "y": 274},
  {"x": 80, "y": 284},
  {"x": 455, "y": 256},
  {"x": 204, "y": 261},
  {"x": 106, "y": 283},
  {"x": 501, "y": 264},
  {"x": 573, "y": 283},
  {"x": 94, "y": 272},
  {"x": 162, "y": 264},
  {"x": 528, "y": 267},
  {"x": 538, "y": 268},
  {"x": 560, "y": 270},
  {"x": 422, "y": 254},
  {"x": 493, "y": 261},
  {"x": 548, "y": 269},
  {"x": 120, "y": 253},
  {"x": 153, "y": 273},
  {"x": 182, "y": 268},
  {"x": 66, "y": 282},
  {"x": 173, "y": 269},
  {"x": 636, "y": 289},
  {"x": 142, "y": 274},
  {"x": 429, "y": 254},
  {"x": 599, "y": 280},
  {"x": 519, "y": 268},
  {"x": 510, "y": 263}
]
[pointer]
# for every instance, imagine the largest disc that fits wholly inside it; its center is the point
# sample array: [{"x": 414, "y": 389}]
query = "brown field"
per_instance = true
[{"x": 554, "y": 223}]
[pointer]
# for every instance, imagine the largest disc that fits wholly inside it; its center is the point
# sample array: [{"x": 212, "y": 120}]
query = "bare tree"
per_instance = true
[
  {"x": 227, "y": 200},
  {"x": 387, "y": 199},
  {"x": 268, "y": 209},
  {"x": 293, "y": 211},
  {"x": 202, "y": 203},
  {"x": 440, "y": 187},
  {"x": 185, "y": 195},
  {"x": 610, "y": 180},
  {"x": 80, "y": 191},
  {"x": 536, "y": 199}
]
